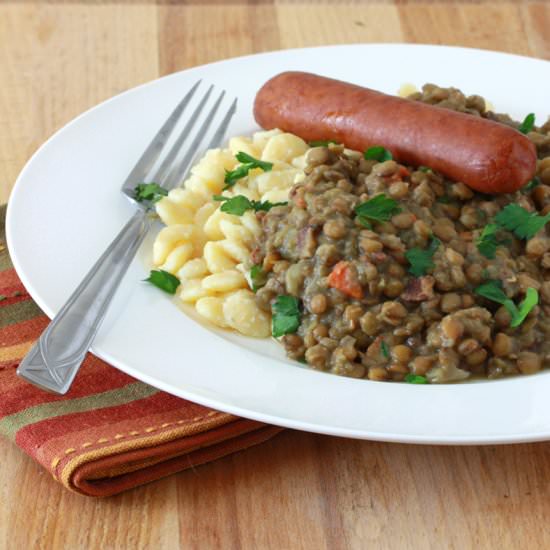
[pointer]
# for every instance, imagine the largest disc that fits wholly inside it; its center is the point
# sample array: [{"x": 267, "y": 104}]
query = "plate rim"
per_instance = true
[{"x": 312, "y": 427}]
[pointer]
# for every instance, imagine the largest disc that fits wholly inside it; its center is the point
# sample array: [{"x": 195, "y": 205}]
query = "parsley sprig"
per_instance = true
[
  {"x": 378, "y": 153},
  {"x": 421, "y": 258},
  {"x": 384, "y": 349},
  {"x": 258, "y": 277},
  {"x": 286, "y": 315},
  {"x": 488, "y": 241},
  {"x": 163, "y": 280},
  {"x": 149, "y": 192},
  {"x": 522, "y": 223},
  {"x": 535, "y": 182},
  {"x": 247, "y": 163},
  {"x": 240, "y": 204},
  {"x": 492, "y": 290},
  {"x": 416, "y": 379},
  {"x": 528, "y": 124},
  {"x": 378, "y": 209}
]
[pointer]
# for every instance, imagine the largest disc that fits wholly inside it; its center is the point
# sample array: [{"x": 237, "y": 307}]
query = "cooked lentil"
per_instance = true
[{"x": 433, "y": 325}]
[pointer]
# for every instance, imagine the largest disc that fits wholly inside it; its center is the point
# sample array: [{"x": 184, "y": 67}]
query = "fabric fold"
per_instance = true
[{"x": 110, "y": 432}]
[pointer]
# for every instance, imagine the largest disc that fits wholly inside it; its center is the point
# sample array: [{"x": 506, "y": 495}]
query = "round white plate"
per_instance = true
[{"x": 66, "y": 207}]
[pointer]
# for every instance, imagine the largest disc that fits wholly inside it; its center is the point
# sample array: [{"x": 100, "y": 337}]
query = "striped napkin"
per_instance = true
[{"x": 110, "y": 432}]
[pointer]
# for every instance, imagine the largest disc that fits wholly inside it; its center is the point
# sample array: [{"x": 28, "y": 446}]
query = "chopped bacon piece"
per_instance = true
[{"x": 419, "y": 289}]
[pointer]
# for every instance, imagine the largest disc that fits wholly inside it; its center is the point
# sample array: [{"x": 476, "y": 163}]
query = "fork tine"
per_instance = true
[
  {"x": 218, "y": 136},
  {"x": 215, "y": 142},
  {"x": 176, "y": 148},
  {"x": 180, "y": 170},
  {"x": 152, "y": 152}
]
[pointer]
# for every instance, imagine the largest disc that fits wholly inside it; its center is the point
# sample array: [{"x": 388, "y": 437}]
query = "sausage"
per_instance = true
[{"x": 485, "y": 155}]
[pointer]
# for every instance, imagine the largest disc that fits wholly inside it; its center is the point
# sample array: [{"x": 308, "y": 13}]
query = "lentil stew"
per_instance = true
[{"x": 403, "y": 275}]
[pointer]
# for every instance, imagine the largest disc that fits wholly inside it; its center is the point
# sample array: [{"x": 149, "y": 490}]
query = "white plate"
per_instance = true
[{"x": 66, "y": 207}]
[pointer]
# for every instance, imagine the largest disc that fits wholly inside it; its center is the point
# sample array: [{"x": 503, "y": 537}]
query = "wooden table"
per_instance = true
[{"x": 298, "y": 490}]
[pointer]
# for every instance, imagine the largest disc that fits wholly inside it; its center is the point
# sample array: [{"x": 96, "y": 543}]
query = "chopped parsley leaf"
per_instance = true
[
  {"x": 378, "y": 153},
  {"x": 492, "y": 290},
  {"x": 239, "y": 204},
  {"x": 286, "y": 315},
  {"x": 521, "y": 222},
  {"x": 487, "y": 242},
  {"x": 258, "y": 277},
  {"x": 445, "y": 199},
  {"x": 535, "y": 182},
  {"x": 149, "y": 192},
  {"x": 384, "y": 349},
  {"x": 379, "y": 209},
  {"x": 2, "y": 297},
  {"x": 416, "y": 379},
  {"x": 247, "y": 163},
  {"x": 425, "y": 169},
  {"x": 528, "y": 124},
  {"x": 163, "y": 280},
  {"x": 421, "y": 259},
  {"x": 527, "y": 304},
  {"x": 364, "y": 222}
]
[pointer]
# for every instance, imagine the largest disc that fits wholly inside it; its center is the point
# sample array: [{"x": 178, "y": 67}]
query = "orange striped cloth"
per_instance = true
[{"x": 110, "y": 432}]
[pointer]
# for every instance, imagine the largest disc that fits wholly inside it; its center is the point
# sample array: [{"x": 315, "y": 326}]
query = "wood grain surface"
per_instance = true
[{"x": 298, "y": 490}]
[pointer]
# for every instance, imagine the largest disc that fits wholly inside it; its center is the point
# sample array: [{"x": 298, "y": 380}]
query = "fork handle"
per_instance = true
[{"x": 54, "y": 360}]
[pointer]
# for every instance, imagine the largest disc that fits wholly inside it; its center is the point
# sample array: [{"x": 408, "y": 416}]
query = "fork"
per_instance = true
[{"x": 54, "y": 360}]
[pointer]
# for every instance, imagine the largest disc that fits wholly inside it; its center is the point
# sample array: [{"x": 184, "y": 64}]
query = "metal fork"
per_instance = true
[{"x": 54, "y": 360}]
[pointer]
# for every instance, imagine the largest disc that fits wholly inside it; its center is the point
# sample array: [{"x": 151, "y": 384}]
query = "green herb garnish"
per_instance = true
[
  {"x": 445, "y": 199},
  {"x": 527, "y": 304},
  {"x": 378, "y": 153},
  {"x": 379, "y": 209},
  {"x": 149, "y": 192},
  {"x": 2, "y": 297},
  {"x": 302, "y": 360},
  {"x": 521, "y": 222},
  {"x": 535, "y": 182},
  {"x": 492, "y": 290},
  {"x": 421, "y": 258},
  {"x": 487, "y": 242},
  {"x": 425, "y": 169},
  {"x": 240, "y": 204},
  {"x": 258, "y": 277},
  {"x": 384, "y": 349},
  {"x": 322, "y": 143},
  {"x": 286, "y": 315},
  {"x": 364, "y": 222},
  {"x": 528, "y": 124},
  {"x": 163, "y": 280},
  {"x": 247, "y": 164},
  {"x": 416, "y": 379}
]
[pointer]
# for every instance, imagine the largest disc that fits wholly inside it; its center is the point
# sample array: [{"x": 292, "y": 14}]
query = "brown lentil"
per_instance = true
[{"x": 395, "y": 323}]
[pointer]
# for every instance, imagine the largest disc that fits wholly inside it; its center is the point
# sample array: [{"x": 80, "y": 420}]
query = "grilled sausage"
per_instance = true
[{"x": 485, "y": 155}]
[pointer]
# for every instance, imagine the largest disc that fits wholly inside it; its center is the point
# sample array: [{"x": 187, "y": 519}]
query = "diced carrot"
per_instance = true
[
  {"x": 344, "y": 278},
  {"x": 403, "y": 172}
]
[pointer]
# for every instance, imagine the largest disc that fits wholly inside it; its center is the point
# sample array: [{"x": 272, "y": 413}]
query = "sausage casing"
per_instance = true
[{"x": 485, "y": 155}]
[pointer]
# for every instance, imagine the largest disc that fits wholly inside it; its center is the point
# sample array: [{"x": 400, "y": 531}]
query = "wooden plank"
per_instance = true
[
  {"x": 197, "y": 33},
  {"x": 303, "y": 24},
  {"x": 476, "y": 25},
  {"x": 56, "y": 62}
]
